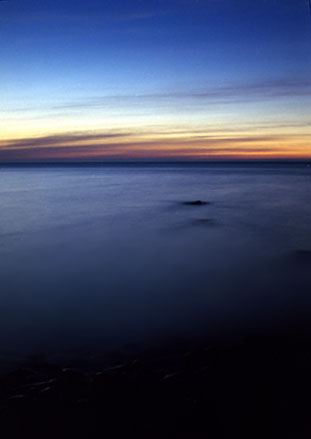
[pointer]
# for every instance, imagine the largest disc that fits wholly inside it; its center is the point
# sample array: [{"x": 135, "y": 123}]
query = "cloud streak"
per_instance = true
[
  {"x": 137, "y": 145},
  {"x": 231, "y": 94},
  {"x": 272, "y": 90},
  {"x": 63, "y": 139}
]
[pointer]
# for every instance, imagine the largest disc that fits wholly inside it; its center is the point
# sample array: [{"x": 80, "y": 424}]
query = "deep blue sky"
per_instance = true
[{"x": 149, "y": 69}]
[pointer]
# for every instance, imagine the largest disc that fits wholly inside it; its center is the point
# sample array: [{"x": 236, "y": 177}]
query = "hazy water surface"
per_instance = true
[{"x": 101, "y": 256}]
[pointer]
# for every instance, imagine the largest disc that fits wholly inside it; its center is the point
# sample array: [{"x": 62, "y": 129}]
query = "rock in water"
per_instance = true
[
  {"x": 303, "y": 256},
  {"x": 204, "y": 221},
  {"x": 195, "y": 203}
]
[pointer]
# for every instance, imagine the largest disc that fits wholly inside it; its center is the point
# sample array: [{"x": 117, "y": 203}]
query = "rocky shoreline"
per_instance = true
[{"x": 258, "y": 387}]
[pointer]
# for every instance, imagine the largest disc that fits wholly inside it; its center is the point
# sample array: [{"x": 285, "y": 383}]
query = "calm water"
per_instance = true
[{"x": 96, "y": 257}]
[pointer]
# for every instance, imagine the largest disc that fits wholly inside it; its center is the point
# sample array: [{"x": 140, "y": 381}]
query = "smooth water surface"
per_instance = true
[{"x": 103, "y": 256}]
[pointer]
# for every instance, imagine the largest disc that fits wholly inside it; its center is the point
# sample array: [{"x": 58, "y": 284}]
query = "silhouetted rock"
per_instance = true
[
  {"x": 72, "y": 385},
  {"x": 258, "y": 387},
  {"x": 17, "y": 378}
]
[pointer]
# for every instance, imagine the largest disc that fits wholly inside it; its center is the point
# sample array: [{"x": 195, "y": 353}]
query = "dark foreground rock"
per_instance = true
[{"x": 255, "y": 389}]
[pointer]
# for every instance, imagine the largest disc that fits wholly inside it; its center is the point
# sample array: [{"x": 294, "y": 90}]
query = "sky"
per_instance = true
[{"x": 155, "y": 79}]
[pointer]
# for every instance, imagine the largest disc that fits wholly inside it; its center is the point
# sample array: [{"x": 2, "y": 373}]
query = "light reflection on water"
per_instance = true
[{"x": 104, "y": 256}]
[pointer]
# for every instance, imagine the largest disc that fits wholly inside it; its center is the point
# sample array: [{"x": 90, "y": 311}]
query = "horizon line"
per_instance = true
[{"x": 46, "y": 162}]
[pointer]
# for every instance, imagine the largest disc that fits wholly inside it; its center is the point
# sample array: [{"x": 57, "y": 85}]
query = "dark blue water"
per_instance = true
[{"x": 95, "y": 257}]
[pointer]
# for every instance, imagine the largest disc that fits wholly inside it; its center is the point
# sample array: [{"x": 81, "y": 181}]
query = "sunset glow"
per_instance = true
[{"x": 155, "y": 80}]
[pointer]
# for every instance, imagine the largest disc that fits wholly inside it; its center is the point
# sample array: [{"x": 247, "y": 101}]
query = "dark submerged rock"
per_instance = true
[
  {"x": 195, "y": 203},
  {"x": 303, "y": 257},
  {"x": 304, "y": 254},
  {"x": 204, "y": 222}
]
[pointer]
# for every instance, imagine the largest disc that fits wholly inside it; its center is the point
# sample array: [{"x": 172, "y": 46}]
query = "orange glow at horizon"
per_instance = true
[{"x": 174, "y": 144}]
